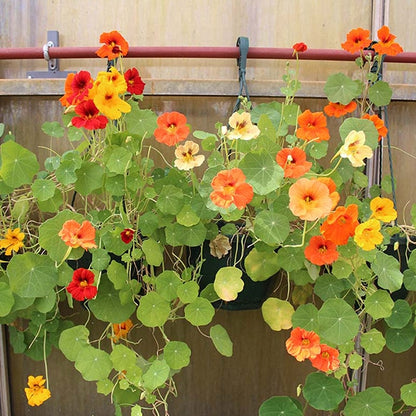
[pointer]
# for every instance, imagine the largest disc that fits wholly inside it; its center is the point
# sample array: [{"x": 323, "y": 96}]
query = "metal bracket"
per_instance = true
[{"x": 53, "y": 64}]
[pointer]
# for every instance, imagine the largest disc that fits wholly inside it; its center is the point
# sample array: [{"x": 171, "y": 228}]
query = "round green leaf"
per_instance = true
[
  {"x": 153, "y": 252},
  {"x": 32, "y": 275},
  {"x": 355, "y": 361},
  {"x": 118, "y": 160},
  {"x": 93, "y": 364},
  {"x": 306, "y": 316},
  {"x": 179, "y": 235},
  {"x": 153, "y": 310},
  {"x": 6, "y": 299},
  {"x": 379, "y": 304},
  {"x": 100, "y": 259},
  {"x": 339, "y": 88},
  {"x": 46, "y": 303},
  {"x": 262, "y": 172},
  {"x": 387, "y": 269},
  {"x": 271, "y": 228},
  {"x": 188, "y": 291},
  {"x": 167, "y": 284},
  {"x": 200, "y": 312},
  {"x": 18, "y": 165},
  {"x": 140, "y": 122},
  {"x": 170, "y": 200},
  {"x": 156, "y": 375},
  {"x": 90, "y": 177},
  {"x": 43, "y": 189},
  {"x": 177, "y": 354},
  {"x": 260, "y": 265},
  {"x": 409, "y": 279},
  {"x": 221, "y": 340},
  {"x": 187, "y": 216},
  {"x": 65, "y": 173},
  {"x": 107, "y": 305},
  {"x": 280, "y": 406},
  {"x": 408, "y": 394},
  {"x": 117, "y": 274},
  {"x": 373, "y": 341},
  {"x": 400, "y": 315},
  {"x": 72, "y": 340},
  {"x": 123, "y": 358},
  {"x": 328, "y": 286},
  {"x": 323, "y": 392},
  {"x": 228, "y": 283},
  {"x": 380, "y": 93},
  {"x": 53, "y": 129},
  {"x": 373, "y": 401},
  {"x": 290, "y": 258},
  {"x": 402, "y": 339},
  {"x": 277, "y": 313},
  {"x": 338, "y": 322}
]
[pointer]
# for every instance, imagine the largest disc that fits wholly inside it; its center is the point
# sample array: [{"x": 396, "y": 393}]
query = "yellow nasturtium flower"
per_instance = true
[
  {"x": 383, "y": 209},
  {"x": 354, "y": 148},
  {"x": 13, "y": 241},
  {"x": 36, "y": 393},
  {"x": 367, "y": 235}
]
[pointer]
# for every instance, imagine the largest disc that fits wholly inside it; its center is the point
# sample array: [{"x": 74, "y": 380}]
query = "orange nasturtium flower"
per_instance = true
[
  {"x": 341, "y": 224},
  {"x": 309, "y": 199},
  {"x": 121, "y": 330},
  {"x": 378, "y": 123},
  {"x": 386, "y": 44},
  {"x": 172, "y": 128},
  {"x": 36, "y": 393},
  {"x": 312, "y": 126},
  {"x": 303, "y": 344},
  {"x": 114, "y": 45},
  {"x": 354, "y": 148},
  {"x": 383, "y": 209},
  {"x": 327, "y": 359},
  {"x": 76, "y": 235},
  {"x": 321, "y": 251},
  {"x": 339, "y": 110},
  {"x": 293, "y": 162},
  {"x": 230, "y": 187},
  {"x": 77, "y": 87},
  {"x": 367, "y": 235},
  {"x": 13, "y": 241},
  {"x": 357, "y": 40},
  {"x": 332, "y": 188},
  {"x": 186, "y": 156},
  {"x": 242, "y": 127}
]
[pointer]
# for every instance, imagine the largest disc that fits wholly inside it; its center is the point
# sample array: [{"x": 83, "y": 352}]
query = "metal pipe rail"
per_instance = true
[{"x": 196, "y": 52}]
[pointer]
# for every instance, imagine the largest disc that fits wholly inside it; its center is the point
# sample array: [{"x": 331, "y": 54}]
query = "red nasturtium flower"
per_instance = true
[
  {"x": 303, "y": 344},
  {"x": 321, "y": 251},
  {"x": 378, "y": 123},
  {"x": 386, "y": 44},
  {"x": 114, "y": 45},
  {"x": 357, "y": 40},
  {"x": 172, "y": 128},
  {"x": 327, "y": 359},
  {"x": 341, "y": 224},
  {"x": 81, "y": 286},
  {"x": 309, "y": 199},
  {"x": 230, "y": 187},
  {"x": 293, "y": 162},
  {"x": 88, "y": 116},
  {"x": 121, "y": 330},
  {"x": 339, "y": 110},
  {"x": 312, "y": 126},
  {"x": 127, "y": 235},
  {"x": 299, "y": 47},
  {"x": 135, "y": 85},
  {"x": 76, "y": 235}
]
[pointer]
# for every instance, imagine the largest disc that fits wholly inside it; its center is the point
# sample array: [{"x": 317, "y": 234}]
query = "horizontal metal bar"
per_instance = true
[{"x": 196, "y": 52}]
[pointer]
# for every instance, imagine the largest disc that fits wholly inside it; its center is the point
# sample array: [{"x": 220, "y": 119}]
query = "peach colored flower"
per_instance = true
[
  {"x": 77, "y": 235},
  {"x": 242, "y": 127},
  {"x": 309, "y": 199},
  {"x": 186, "y": 156},
  {"x": 354, "y": 148}
]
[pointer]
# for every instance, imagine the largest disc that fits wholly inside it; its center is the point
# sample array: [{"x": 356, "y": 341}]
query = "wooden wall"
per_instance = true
[{"x": 205, "y": 91}]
